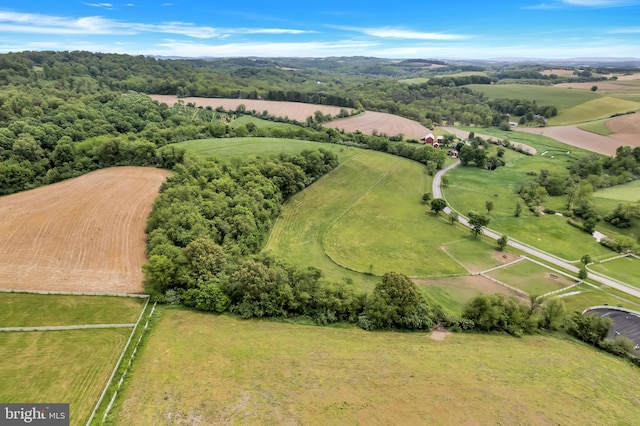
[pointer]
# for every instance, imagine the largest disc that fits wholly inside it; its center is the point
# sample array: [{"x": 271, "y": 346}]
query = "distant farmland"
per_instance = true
[
  {"x": 380, "y": 122},
  {"x": 294, "y": 110}
]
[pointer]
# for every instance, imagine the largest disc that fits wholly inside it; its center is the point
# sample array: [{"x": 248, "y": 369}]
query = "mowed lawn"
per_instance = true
[
  {"x": 533, "y": 279},
  {"x": 59, "y": 366},
  {"x": 27, "y": 309},
  {"x": 626, "y": 269},
  {"x": 206, "y": 369}
]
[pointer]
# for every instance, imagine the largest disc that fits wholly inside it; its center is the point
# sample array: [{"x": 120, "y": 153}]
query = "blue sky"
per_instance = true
[{"x": 405, "y": 29}]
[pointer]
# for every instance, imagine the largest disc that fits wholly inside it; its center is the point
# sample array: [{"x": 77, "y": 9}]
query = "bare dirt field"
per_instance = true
[
  {"x": 82, "y": 235},
  {"x": 572, "y": 135},
  {"x": 294, "y": 110},
  {"x": 381, "y": 122},
  {"x": 557, "y": 71},
  {"x": 626, "y": 129}
]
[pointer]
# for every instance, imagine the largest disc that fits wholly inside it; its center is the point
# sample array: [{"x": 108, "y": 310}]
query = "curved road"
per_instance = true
[{"x": 532, "y": 251}]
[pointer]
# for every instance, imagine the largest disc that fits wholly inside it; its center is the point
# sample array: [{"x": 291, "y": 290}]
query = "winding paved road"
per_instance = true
[{"x": 532, "y": 251}]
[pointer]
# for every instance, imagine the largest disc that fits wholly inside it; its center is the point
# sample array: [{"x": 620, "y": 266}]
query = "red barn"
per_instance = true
[{"x": 428, "y": 139}]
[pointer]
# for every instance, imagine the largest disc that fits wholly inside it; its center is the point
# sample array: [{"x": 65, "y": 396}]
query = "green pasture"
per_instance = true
[
  {"x": 70, "y": 366},
  {"x": 27, "y": 309},
  {"x": 595, "y": 109},
  {"x": 298, "y": 234},
  {"x": 597, "y": 126},
  {"x": 475, "y": 254},
  {"x": 589, "y": 296},
  {"x": 258, "y": 147},
  {"x": 562, "y": 98},
  {"x": 264, "y": 372},
  {"x": 452, "y": 293},
  {"x": 533, "y": 279},
  {"x": 559, "y": 150},
  {"x": 626, "y": 270},
  {"x": 388, "y": 229},
  {"x": 628, "y": 192}
]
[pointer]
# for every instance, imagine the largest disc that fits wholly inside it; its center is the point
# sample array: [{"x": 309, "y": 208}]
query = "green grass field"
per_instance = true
[
  {"x": 625, "y": 269},
  {"x": 589, "y": 296},
  {"x": 366, "y": 212},
  {"x": 562, "y": 98},
  {"x": 258, "y": 147},
  {"x": 597, "y": 126},
  {"x": 25, "y": 309},
  {"x": 595, "y": 109},
  {"x": 69, "y": 366},
  {"x": 476, "y": 254},
  {"x": 207, "y": 369},
  {"x": 470, "y": 188},
  {"x": 388, "y": 229},
  {"x": 628, "y": 192},
  {"x": 533, "y": 279},
  {"x": 59, "y": 366}
]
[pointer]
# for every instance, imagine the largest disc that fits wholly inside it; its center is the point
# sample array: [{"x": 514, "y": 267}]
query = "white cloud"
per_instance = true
[
  {"x": 404, "y": 34},
  {"x": 27, "y": 23},
  {"x": 103, "y": 5},
  {"x": 628, "y": 30}
]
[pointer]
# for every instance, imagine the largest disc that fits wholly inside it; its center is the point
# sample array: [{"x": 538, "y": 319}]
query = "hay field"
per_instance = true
[
  {"x": 380, "y": 122},
  {"x": 83, "y": 235},
  {"x": 294, "y": 110},
  {"x": 207, "y": 369},
  {"x": 596, "y": 109}
]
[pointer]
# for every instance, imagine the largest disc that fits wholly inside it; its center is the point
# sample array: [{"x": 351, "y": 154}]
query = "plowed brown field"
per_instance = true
[
  {"x": 83, "y": 235},
  {"x": 294, "y": 110},
  {"x": 381, "y": 122},
  {"x": 572, "y": 135},
  {"x": 626, "y": 129}
]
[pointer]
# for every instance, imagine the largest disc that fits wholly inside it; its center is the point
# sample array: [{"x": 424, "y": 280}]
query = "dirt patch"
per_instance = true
[
  {"x": 572, "y": 135},
  {"x": 439, "y": 335},
  {"x": 84, "y": 234},
  {"x": 551, "y": 276},
  {"x": 626, "y": 129},
  {"x": 466, "y": 287},
  {"x": 505, "y": 257},
  {"x": 380, "y": 122},
  {"x": 294, "y": 110}
]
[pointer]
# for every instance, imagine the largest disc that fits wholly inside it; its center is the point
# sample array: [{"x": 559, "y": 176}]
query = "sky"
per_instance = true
[{"x": 461, "y": 29}]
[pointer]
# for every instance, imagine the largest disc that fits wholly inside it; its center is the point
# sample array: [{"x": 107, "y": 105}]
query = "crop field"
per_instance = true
[
  {"x": 368, "y": 217},
  {"x": 273, "y": 373},
  {"x": 625, "y": 87},
  {"x": 533, "y": 279},
  {"x": 259, "y": 147},
  {"x": 294, "y": 110},
  {"x": 626, "y": 269},
  {"x": 70, "y": 366},
  {"x": 380, "y": 122},
  {"x": 84, "y": 234},
  {"x": 577, "y": 138},
  {"x": 28, "y": 309},
  {"x": 625, "y": 129}
]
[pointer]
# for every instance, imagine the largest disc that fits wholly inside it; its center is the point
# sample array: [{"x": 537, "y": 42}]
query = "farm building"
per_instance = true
[{"x": 428, "y": 139}]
